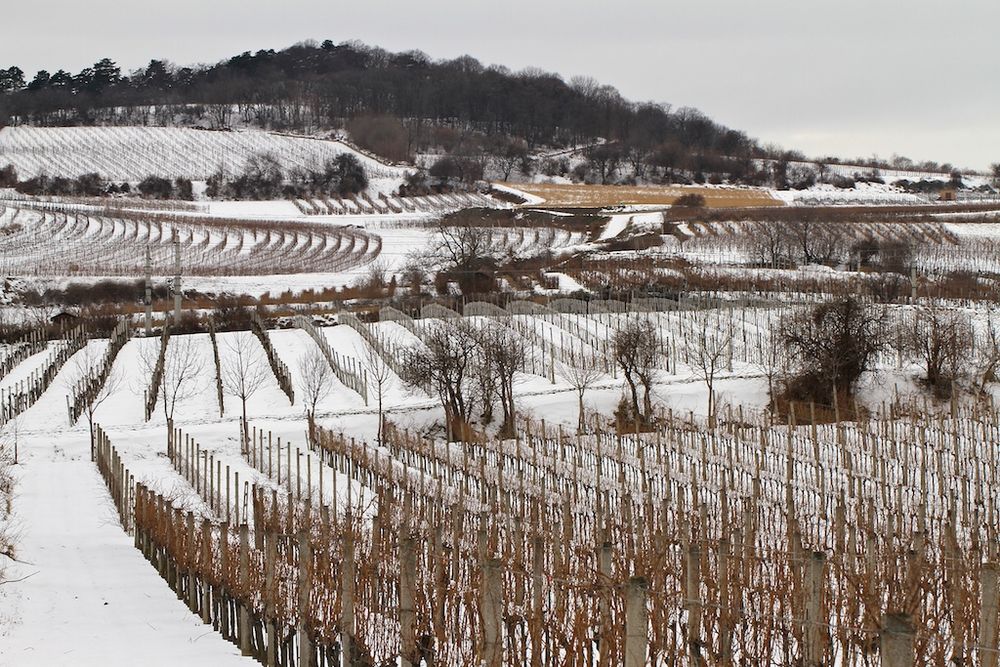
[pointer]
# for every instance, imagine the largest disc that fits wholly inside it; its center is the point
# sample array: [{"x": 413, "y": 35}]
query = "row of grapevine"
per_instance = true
[
  {"x": 278, "y": 367},
  {"x": 346, "y": 368}
]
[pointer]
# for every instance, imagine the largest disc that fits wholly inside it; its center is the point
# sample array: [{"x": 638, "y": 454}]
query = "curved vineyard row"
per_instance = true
[{"x": 39, "y": 243}]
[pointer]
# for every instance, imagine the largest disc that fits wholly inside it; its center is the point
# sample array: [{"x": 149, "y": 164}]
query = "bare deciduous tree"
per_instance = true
[
  {"x": 182, "y": 367},
  {"x": 771, "y": 362},
  {"x": 582, "y": 371},
  {"x": 505, "y": 351},
  {"x": 987, "y": 358},
  {"x": 830, "y": 347},
  {"x": 315, "y": 382},
  {"x": 244, "y": 371},
  {"x": 942, "y": 340},
  {"x": 708, "y": 350},
  {"x": 770, "y": 243},
  {"x": 458, "y": 246},
  {"x": 636, "y": 346},
  {"x": 447, "y": 363},
  {"x": 380, "y": 377}
]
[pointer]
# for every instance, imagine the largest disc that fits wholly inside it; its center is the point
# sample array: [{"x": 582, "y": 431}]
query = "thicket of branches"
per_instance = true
[
  {"x": 829, "y": 348},
  {"x": 471, "y": 370},
  {"x": 263, "y": 178}
]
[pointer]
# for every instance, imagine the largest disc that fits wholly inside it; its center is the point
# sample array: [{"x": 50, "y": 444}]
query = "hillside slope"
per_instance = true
[{"x": 133, "y": 153}]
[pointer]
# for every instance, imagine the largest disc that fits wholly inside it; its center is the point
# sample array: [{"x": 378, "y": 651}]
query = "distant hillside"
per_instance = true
[
  {"x": 396, "y": 104},
  {"x": 131, "y": 154},
  {"x": 400, "y": 105}
]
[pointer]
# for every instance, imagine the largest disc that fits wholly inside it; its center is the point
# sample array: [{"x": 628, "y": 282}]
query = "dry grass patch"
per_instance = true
[{"x": 600, "y": 196}]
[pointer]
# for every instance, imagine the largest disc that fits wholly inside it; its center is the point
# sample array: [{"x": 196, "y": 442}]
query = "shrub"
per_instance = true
[
  {"x": 690, "y": 200},
  {"x": 8, "y": 177},
  {"x": 829, "y": 348},
  {"x": 156, "y": 187}
]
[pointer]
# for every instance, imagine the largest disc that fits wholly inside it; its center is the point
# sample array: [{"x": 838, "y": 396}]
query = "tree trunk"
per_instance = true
[
  {"x": 246, "y": 434},
  {"x": 635, "y": 395}
]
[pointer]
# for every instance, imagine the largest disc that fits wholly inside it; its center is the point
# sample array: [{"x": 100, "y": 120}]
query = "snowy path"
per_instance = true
[{"x": 90, "y": 598}]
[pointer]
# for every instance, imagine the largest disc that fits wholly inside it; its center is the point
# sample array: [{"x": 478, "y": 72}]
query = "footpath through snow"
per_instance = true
[
  {"x": 86, "y": 596},
  {"x": 90, "y": 598}
]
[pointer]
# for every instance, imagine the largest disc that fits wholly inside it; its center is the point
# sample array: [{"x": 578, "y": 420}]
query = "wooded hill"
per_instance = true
[{"x": 403, "y": 102}]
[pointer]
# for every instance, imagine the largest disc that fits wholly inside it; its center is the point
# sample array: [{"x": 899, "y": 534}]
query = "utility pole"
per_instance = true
[
  {"x": 149, "y": 294},
  {"x": 177, "y": 277}
]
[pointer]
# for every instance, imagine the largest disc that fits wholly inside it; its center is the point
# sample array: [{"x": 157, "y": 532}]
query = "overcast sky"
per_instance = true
[{"x": 849, "y": 78}]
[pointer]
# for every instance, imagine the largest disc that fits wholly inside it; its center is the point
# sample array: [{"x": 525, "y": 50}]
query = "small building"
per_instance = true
[
  {"x": 65, "y": 318},
  {"x": 947, "y": 195}
]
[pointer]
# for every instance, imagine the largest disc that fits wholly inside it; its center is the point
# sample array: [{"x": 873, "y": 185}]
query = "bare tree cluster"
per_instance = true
[
  {"x": 470, "y": 368},
  {"x": 941, "y": 339},
  {"x": 636, "y": 348}
]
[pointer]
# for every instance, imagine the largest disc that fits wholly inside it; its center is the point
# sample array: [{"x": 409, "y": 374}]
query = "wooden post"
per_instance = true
[
  {"x": 244, "y": 573},
  {"x": 491, "y": 608},
  {"x": 206, "y": 565},
  {"x": 270, "y": 595},
  {"x": 813, "y": 622},
  {"x": 306, "y": 651},
  {"x": 348, "y": 574},
  {"x": 988, "y": 615},
  {"x": 537, "y": 582},
  {"x": 192, "y": 557},
  {"x": 407, "y": 602},
  {"x": 604, "y": 586},
  {"x": 636, "y": 622},
  {"x": 693, "y": 602},
  {"x": 896, "y": 641}
]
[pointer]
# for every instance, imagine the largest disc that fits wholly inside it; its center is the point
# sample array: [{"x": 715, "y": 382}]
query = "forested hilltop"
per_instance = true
[{"x": 398, "y": 101}]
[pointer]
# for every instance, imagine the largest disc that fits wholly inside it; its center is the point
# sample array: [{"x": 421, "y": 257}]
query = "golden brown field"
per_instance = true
[{"x": 598, "y": 196}]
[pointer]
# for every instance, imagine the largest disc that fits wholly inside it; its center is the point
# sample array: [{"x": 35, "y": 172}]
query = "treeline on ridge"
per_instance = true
[{"x": 310, "y": 87}]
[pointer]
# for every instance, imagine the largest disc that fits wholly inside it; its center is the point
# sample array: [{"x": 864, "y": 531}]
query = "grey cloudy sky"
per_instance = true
[{"x": 852, "y": 78}]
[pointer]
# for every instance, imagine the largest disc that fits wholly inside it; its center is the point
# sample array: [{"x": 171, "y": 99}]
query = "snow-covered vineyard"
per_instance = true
[
  {"x": 131, "y": 154},
  {"x": 733, "y": 539},
  {"x": 447, "y": 422}
]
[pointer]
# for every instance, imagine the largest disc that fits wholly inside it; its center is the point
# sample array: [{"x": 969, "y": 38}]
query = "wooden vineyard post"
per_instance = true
[
  {"x": 636, "y": 622},
  {"x": 813, "y": 621},
  {"x": 604, "y": 586},
  {"x": 537, "y": 581},
  {"x": 693, "y": 602},
  {"x": 407, "y": 602},
  {"x": 988, "y": 615},
  {"x": 896, "y": 641},
  {"x": 348, "y": 575},
  {"x": 270, "y": 596},
  {"x": 306, "y": 651},
  {"x": 726, "y": 614},
  {"x": 244, "y": 575},
  {"x": 192, "y": 558},
  {"x": 491, "y": 609},
  {"x": 206, "y": 564}
]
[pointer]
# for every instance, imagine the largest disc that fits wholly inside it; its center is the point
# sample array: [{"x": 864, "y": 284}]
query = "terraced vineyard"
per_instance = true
[
  {"x": 133, "y": 153},
  {"x": 53, "y": 244}
]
